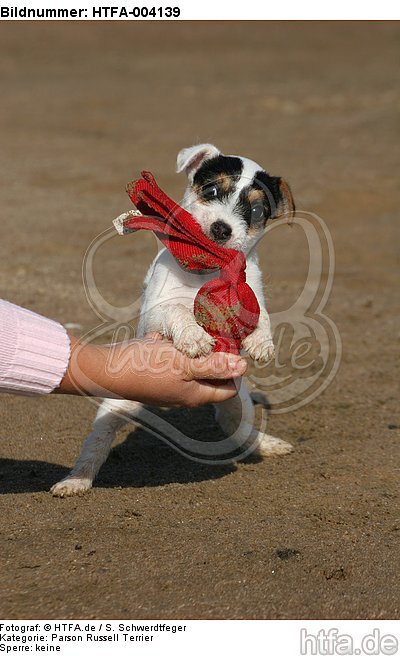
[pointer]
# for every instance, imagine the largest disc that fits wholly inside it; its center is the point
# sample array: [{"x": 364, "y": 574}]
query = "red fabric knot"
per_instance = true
[
  {"x": 226, "y": 306},
  {"x": 234, "y": 271}
]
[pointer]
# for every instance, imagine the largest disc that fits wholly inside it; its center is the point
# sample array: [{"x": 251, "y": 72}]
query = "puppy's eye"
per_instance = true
[
  {"x": 257, "y": 212},
  {"x": 209, "y": 192}
]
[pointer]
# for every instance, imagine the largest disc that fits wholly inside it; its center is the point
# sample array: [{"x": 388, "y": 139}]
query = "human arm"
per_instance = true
[
  {"x": 150, "y": 370},
  {"x": 37, "y": 356}
]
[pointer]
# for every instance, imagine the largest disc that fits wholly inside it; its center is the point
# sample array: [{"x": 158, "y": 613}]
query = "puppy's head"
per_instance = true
[{"x": 231, "y": 197}]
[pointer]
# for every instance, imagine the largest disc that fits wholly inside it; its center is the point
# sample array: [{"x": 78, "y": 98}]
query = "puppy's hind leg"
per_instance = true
[
  {"x": 239, "y": 412},
  {"x": 111, "y": 416}
]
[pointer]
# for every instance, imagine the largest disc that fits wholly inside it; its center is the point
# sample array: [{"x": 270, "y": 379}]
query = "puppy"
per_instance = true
[{"x": 232, "y": 199}]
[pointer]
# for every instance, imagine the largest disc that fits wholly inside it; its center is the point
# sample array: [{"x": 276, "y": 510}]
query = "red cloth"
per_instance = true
[{"x": 226, "y": 307}]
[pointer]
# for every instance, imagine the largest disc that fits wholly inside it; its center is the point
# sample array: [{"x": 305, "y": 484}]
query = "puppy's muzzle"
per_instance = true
[{"x": 220, "y": 231}]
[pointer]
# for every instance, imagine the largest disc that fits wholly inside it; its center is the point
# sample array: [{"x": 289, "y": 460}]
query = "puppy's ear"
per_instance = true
[
  {"x": 190, "y": 159},
  {"x": 285, "y": 207}
]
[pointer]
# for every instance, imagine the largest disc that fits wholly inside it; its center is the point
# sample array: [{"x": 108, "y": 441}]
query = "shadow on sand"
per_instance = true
[{"x": 141, "y": 460}]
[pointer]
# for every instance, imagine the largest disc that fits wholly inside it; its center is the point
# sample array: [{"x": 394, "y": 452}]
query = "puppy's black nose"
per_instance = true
[{"x": 220, "y": 231}]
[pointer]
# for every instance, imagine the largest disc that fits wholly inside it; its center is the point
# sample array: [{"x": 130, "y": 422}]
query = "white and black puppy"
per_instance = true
[{"x": 232, "y": 199}]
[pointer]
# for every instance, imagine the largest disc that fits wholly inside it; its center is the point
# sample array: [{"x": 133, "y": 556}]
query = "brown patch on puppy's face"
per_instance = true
[
  {"x": 217, "y": 188},
  {"x": 216, "y": 179},
  {"x": 259, "y": 211},
  {"x": 225, "y": 183},
  {"x": 267, "y": 197},
  {"x": 255, "y": 195}
]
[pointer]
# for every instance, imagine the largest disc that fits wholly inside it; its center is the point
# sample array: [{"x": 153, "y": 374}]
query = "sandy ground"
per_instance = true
[{"x": 84, "y": 107}]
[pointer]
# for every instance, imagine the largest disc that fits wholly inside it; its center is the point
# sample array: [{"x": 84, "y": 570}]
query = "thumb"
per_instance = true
[{"x": 218, "y": 366}]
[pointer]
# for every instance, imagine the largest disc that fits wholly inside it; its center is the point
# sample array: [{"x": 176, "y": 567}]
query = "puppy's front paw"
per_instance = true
[
  {"x": 268, "y": 446},
  {"x": 193, "y": 341},
  {"x": 71, "y": 486},
  {"x": 259, "y": 346}
]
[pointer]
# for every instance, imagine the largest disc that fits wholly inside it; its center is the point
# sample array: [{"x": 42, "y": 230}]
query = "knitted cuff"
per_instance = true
[{"x": 34, "y": 351}]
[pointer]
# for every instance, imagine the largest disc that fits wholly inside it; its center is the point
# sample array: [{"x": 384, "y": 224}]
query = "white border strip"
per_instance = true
[
  {"x": 199, "y": 637},
  {"x": 172, "y": 10}
]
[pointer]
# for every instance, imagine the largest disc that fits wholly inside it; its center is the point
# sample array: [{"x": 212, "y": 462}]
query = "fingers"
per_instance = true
[
  {"x": 206, "y": 392},
  {"x": 217, "y": 366}
]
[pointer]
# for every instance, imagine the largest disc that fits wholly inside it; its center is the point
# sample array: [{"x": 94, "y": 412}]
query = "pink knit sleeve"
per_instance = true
[{"x": 34, "y": 351}]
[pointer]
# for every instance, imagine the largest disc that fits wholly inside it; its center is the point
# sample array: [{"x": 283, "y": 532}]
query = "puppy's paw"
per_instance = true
[
  {"x": 71, "y": 486},
  {"x": 193, "y": 341},
  {"x": 268, "y": 446},
  {"x": 259, "y": 346}
]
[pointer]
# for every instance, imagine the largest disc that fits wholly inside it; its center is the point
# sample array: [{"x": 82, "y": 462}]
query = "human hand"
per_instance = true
[{"x": 150, "y": 370}]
